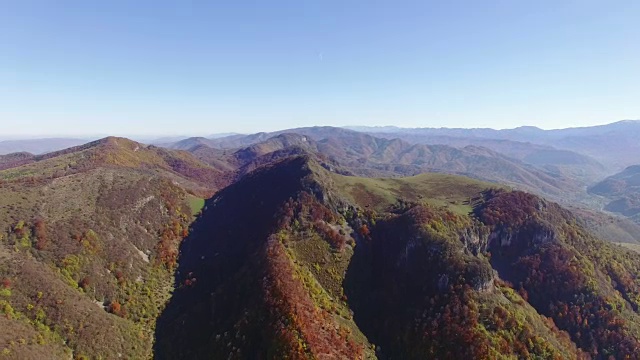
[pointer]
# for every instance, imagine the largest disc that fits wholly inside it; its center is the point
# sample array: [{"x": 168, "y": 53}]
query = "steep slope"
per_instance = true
[
  {"x": 293, "y": 261},
  {"x": 587, "y": 286},
  {"x": 88, "y": 242},
  {"x": 238, "y": 295}
]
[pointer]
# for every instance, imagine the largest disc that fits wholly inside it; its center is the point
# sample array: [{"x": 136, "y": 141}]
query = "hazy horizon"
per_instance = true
[{"x": 154, "y": 137}]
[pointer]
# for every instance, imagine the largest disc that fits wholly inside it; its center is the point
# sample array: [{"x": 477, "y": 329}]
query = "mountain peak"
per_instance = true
[{"x": 115, "y": 141}]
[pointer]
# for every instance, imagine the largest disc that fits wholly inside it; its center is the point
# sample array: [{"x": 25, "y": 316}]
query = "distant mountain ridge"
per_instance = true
[
  {"x": 38, "y": 146},
  {"x": 366, "y": 155},
  {"x": 614, "y": 145},
  {"x": 622, "y": 192}
]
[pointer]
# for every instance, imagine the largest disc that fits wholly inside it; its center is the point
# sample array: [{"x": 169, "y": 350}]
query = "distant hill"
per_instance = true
[
  {"x": 622, "y": 190},
  {"x": 556, "y": 161},
  {"x": 614, "y": 145},
  {"x": 38, "y": 146},
  {"x": 558, "y": 174},
  {"x": 190, "y": 143},
  {"x": 121, "y": 152},
  {"x": 15, "y": 159}
]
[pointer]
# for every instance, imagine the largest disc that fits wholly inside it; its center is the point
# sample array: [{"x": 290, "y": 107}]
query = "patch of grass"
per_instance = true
[
  {"x": 326, "y": 265},
  {"x": 196, "y": 204},
  {"x": 453, "y": 192}
]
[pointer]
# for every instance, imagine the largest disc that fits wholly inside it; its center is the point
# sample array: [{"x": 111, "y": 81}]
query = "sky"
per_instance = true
[{"x": 155, "y": 67}]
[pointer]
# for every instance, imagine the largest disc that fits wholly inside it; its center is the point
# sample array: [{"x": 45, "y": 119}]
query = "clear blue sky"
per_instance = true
[{"x": 201, "y": 67}]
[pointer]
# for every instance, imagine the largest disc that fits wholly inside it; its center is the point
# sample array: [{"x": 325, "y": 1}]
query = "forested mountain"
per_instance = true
[
  {"x": 318, "y": 243},
  {"x": 88, "y": 243},
  {"x": 431, "y": 266}
]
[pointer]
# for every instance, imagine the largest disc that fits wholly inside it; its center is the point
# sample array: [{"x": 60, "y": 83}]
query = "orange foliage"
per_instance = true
[
  {"x": 40, "y": 232},
  {"x": 364, "y": 230},
  {"x": 300, "y": 325},
  {"x": 116, "y": 309}
]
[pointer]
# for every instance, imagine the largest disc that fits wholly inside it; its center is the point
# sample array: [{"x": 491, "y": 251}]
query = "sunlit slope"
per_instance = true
[{"x": 88, "y": 243}]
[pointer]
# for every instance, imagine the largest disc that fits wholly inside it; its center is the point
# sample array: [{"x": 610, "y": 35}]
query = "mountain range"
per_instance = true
[{"x": 323, "y": 242}]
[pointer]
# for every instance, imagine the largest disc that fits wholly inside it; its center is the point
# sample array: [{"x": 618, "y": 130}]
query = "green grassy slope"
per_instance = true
[{"x": 454, "y": 192}]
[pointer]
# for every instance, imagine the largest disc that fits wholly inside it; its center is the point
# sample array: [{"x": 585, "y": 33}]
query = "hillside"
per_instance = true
[
  {"x": 88, "y": 243},
  {"x": 182, "y": 166},
  {"x": 622, "y": 192},
  {"x": 15, "y": 159},
  {"x": 431, "y": 266}
]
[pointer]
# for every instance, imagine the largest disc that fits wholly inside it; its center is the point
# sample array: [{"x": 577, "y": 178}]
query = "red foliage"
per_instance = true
[
  {"x": 297, "y": 320},
  {"x": 364, "y": 230},
  {"x": 117, "y": 309},
  {"x": 331, "y": 235},
  {"x": 551, "y": 274},
  {"x": 449, "y": 319},
  {"x": 168, "y": 247},
  {"x": 309, "y": 211},
  {"x": 6, "y": 283},
  {"x": 40, "y": 232},
  {"x": 513, "y": 208},
  {"x": 120, "y": 276},
  {"x": 85, "y": 282}
]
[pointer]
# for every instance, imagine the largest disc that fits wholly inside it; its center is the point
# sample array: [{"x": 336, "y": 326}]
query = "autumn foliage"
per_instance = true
[
  {"x": 301, "y": 328},
  {"x": 40, "y": 232},
  {"x": 556, "y": 265}
]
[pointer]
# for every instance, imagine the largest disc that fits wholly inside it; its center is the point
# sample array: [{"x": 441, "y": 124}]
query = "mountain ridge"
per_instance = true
[{"x": 318, "y": 228}]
